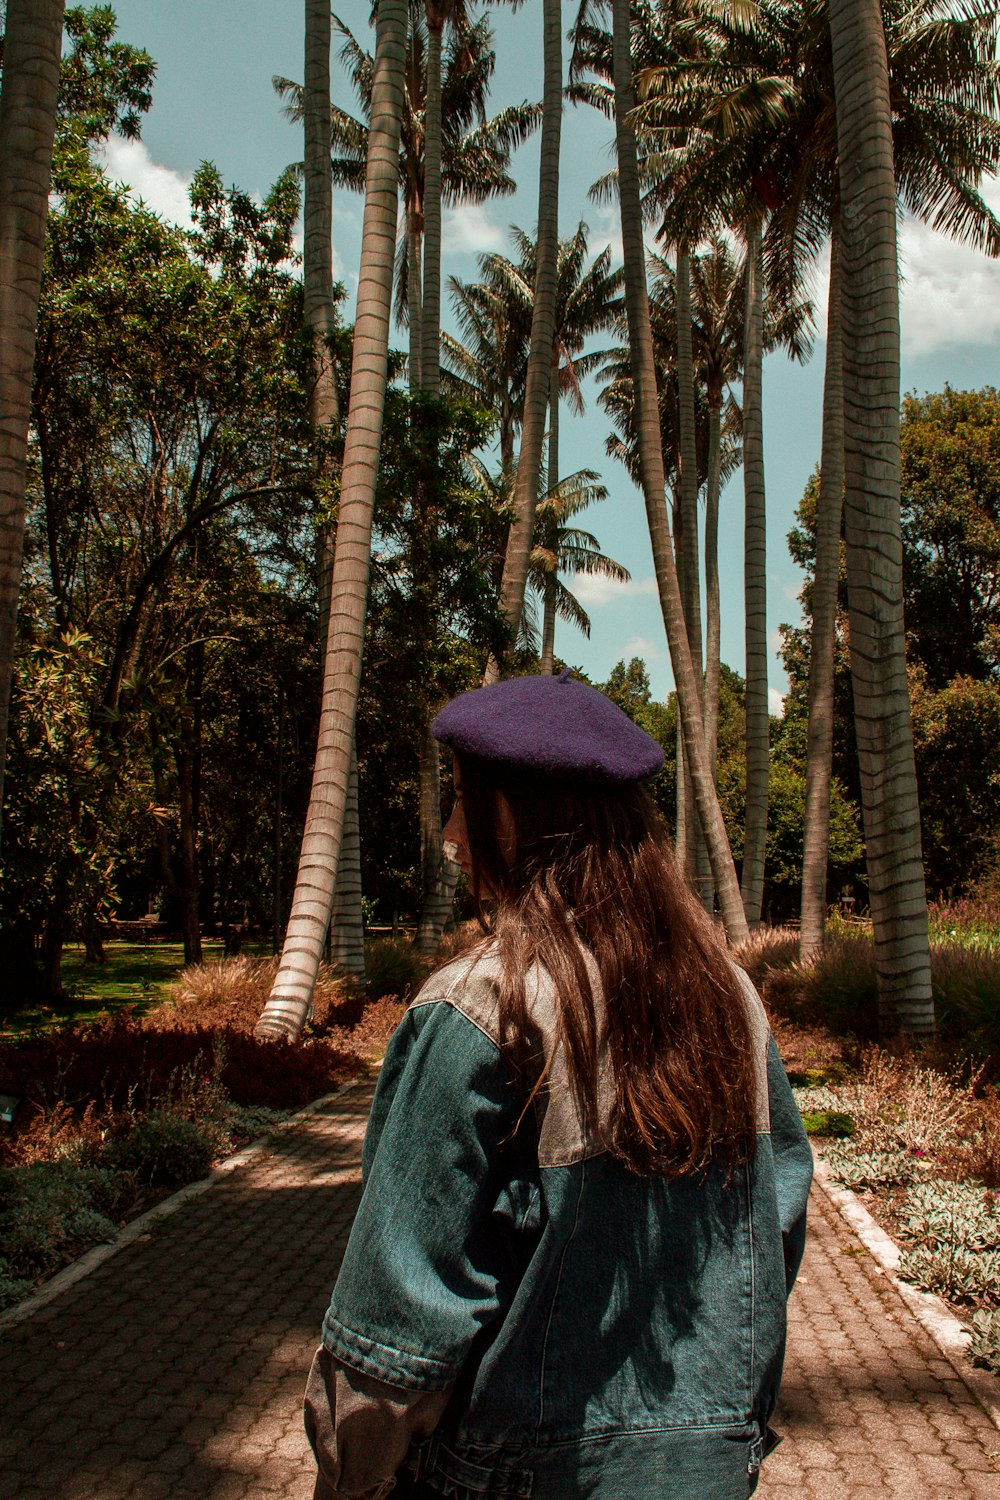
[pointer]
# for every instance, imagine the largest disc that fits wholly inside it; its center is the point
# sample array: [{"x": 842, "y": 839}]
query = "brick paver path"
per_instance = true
[{"x": 175, "y": 1370}]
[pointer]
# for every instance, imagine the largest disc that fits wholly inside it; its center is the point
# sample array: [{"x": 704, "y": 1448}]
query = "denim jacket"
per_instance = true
[{"x": 589, "y": 1331}]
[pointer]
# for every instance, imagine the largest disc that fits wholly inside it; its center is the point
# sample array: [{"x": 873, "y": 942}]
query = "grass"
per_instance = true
[{"x": 138, "y": 976}]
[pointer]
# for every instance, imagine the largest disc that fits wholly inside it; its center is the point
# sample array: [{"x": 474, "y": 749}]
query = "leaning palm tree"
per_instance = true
[
  {"x": 320, "y": 320},
  {"x": 291, "y": 996},
  {"x": 651, "y": 462},
  {"x": 32, "y": 44}
]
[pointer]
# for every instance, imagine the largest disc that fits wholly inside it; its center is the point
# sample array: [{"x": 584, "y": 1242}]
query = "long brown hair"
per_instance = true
[{"x": 577, "y": 861}]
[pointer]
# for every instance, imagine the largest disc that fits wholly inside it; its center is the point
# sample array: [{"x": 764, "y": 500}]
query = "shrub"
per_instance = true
[
  {"x": 234, "y": 991},
  {"x": 984, "y": 1349},
  {"x": 393, "y": 967},
  {"x": 829, "y": 1122},
  {"x": 164, "y": 1150},
  {"x": 767, "y": 950},
  {"x": 51, "y": 1211},
  {"x": 954, "y": 1213},
  {"x": 868, "y": 1169},
  {"x": 960, "y": 1274}
]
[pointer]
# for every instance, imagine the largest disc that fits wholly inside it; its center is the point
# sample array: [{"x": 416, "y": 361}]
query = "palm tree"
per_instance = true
[
  {"x": 475, "y": 150},
  {"x": 490, "y": 367},
  {"x": 566, "y": 549},
  {"x": 291, "y": 995},
  {"x": 587, "y": 300},
  {"x": 651, "y": 461},
  {"x": 320, "y": 320},
  {"x": 766, "y": 104},
  {"x": 32, "y": 45},
  {"x": 874, "y": 544},
  {"x": 536, "y": 392}
]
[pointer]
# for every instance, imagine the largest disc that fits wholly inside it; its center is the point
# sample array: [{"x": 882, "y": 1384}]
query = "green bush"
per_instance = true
[
  {"x": 164, "y": 1150},
  {"x": 392, "y": 967},
  {"x": 830, "y": 1122},
  {"x": 51, "y": 1211},
  {"x": 984, "y": 1350}
]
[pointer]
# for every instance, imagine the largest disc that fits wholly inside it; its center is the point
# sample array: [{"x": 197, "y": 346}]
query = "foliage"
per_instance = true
[
  {"x": 393, "y": 967},
  {"x": 984, "y": 1348},
  {"x": 59, "y": 843},
  {"x": 956, "y": 744},
  {"x": 828, "y": 1122},
  {"x": 950, "y": 480}
]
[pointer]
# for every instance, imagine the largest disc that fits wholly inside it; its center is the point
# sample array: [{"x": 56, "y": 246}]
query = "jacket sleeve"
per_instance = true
[
  {"x": 360, "y": 1429},
  {"x": 793, "y": 1163},
  {"x": 423, "y": 1265}
]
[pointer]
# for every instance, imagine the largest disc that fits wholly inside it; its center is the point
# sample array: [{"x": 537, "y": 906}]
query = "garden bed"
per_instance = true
[{"x": 116, "y": 1114}]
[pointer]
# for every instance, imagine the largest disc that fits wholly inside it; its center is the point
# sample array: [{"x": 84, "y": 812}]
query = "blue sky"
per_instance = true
[{"x": 213, "y": 99}]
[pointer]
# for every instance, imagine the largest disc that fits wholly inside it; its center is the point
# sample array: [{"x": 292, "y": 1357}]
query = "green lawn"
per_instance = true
[{"x": 136, "y": 974}]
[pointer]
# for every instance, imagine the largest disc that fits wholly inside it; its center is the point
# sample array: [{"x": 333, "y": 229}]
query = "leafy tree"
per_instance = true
[
  {"x": 956, "y": 742},
  {"x": 950, "y": 478}
]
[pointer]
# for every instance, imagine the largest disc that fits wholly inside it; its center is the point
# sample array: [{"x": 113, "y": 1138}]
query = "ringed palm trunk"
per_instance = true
[
  {"x": 755, "y": 587},
  {"x": 819, "y": 743},
  {"x": 687, "y": 561},
  {"x": 438, "y": 876},
  {"x": 430, "y": 302},
  {"x": 872, "y": 524},
  {"x": 319, "y": 317},
  {"x": 551, "y": 538},
  {"x": 651, "y": 467},
  {"x": 291, "y": 996},
  {"x": 713, "y": 617},
  {"x": 27, "y": 130},
  {"x": 543, "y": 316},
  {"x": 347, "y": 928}
]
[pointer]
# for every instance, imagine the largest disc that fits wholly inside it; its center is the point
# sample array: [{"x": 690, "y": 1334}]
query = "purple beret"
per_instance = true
[{"x": 549, "y": 724}]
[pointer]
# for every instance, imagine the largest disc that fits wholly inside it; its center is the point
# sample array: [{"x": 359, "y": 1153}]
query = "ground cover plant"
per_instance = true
[
  {"x": 913, "y": 1129},
  {"x": 117, "y": 1112}
]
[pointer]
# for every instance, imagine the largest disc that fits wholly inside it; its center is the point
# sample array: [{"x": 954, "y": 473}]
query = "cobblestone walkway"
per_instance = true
[{"x": 175, "y": 1369}]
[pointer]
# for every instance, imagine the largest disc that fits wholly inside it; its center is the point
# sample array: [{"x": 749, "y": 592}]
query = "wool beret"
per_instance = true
[{"x": 549, "y": 724}]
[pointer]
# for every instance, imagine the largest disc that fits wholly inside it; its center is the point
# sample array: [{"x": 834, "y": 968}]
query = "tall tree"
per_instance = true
[
  {"x": 651, "y": 459},
  {"x": 28, "y": 98},
  {"x": 536, "y": 394},
  {"x": 291, "y": 995},
  {"x": 874, "y": 545}
]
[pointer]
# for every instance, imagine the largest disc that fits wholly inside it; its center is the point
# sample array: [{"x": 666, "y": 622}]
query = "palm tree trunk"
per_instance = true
[
  {"x": 291, "y": 996},
  {"x": 414, "y": 299},
  {"x": 551, "y": 538},
  {"x": 430, "y": 302},
  {"x": 439, "y": 875},
  {"x": 713, "y": 617},
  {"x": 819, "y": 744},
  {"x": 318, "y": 312},
  {"x": 872, "y": 525},
  {"x": 687, "y": 561},
  {"x": 347, "y": 928},
  {"x": 543, "y": 315},
  {"x": 651, "y": 462},
  {"x": 755, "y": 588},
  {"x": 27, "y": 130}
]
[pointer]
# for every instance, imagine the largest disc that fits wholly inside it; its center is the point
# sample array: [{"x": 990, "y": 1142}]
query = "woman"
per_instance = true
[{"x": 585, "y": 1177}]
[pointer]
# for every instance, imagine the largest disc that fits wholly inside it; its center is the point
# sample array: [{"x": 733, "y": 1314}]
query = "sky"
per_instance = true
[{"x": 213, "y": 99}]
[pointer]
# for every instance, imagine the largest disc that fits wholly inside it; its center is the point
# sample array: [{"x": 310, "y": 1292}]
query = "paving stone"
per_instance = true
[{"x": 178, "y": 1366}]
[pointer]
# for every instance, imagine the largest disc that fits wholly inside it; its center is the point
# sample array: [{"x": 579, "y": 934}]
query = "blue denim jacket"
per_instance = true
[{"x": 600, "y": 1334}]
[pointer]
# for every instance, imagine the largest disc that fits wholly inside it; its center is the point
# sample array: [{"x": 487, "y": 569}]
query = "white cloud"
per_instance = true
[
  {"x": 160, "y": 188},
  {"x": 641, "y": 645},
  {"x": 950, "y": 293},
  {"x": 594, "y": 590},
  {"x": 470, "y": 228},
  {"x": 776, "y": 702}
]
